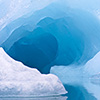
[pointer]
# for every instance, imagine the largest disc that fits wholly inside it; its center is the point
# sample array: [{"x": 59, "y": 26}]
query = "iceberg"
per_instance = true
[
  {"x": 61, "y": 34},
  {"x": 19, "y": 80}
]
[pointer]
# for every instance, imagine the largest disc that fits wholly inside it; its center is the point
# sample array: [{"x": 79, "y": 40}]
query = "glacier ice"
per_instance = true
[
  {"x": 12, "y": 9},
  {"x": 96, "y": 79},
  {"x": 87, "y": 75},
  {"x": 60, "y": 33},
  {"x": 68, "y": 42},
  {"x": 47, "y": 98},
  {"x": 37, "y": 51},
  {"x": 92, "y": 67},
  {"x": 17, "y": 79}
]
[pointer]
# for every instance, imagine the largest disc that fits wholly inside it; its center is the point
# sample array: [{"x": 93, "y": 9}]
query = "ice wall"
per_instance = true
[
  {"x": 87, "y": 76},
  {"x": 12, "y": 9},
  {"x": 58, "y": 34}
]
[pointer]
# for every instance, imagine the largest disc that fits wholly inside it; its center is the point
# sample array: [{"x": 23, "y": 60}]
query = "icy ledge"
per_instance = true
[{"x": 17, "y": 79}]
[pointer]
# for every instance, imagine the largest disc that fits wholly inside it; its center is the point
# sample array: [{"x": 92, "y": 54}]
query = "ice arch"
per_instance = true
[{"x": 73, "y": 36}]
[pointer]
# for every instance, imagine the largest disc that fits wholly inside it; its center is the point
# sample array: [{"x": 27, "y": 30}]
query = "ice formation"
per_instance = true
[
  {"x": 92, "y": 67},
  {"x": 95, "y": 79},
  {"x": 64, "y": 34},
  {"x": 12, "y": 9},
  {"x": 54, "y": 35},
  {"x": 17, "y": 79},
  {"x": 87, "y": 75}
]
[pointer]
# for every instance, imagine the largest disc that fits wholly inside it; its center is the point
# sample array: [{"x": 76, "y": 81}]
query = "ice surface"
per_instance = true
[
  {"x": 40, "y": 98},
  {"x": 42, "y": 34},
  {"x": 17, "y": 79},
  {"x": 73, "y": 32},
  {"x": 87, "y": 76},
  {"x": 92, "y": 67},
  {"x": 41, "y": 30},
  {"x": 12, "y": 9},
  {"x": 96, "y": 79},
  {"x": 92, "y": 71}
]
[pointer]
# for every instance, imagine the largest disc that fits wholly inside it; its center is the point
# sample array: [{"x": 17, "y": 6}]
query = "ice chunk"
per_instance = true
[
  {"x": 17, "y": 79},
  {"x": 92, "y": 67},
  {"x": 87, "y": 75},
  {"x": 92, "y": 71},
  {"x": 68, "y": 74}
]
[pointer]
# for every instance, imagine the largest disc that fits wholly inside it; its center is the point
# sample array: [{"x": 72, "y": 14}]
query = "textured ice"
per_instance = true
[
  {"x": 54, "y": 35},
  {"x": 95, "y": 79},
  {"x": 87, "y": 75},
  {"x": 92, "y": 71},
  {"x": 92, "y": 67},
  {"x": 12, "y": 9},
  {"x": 48, "y": 98},
  {"x": 17, "y": 79},
  {"x": 24, "y": 26},
  {"x": 39, "y": 98},
  {"x": 41, "y": 34}
]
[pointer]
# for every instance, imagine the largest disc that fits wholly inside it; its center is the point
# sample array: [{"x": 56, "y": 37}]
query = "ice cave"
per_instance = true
[{"x": 52, "y": 42}]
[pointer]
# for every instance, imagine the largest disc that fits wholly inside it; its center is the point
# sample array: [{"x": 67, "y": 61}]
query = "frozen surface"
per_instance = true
[
  {"x": 92, "y": 67},
  {"x": 17, "y": 79},
  {"x": 51, "y": 32},
  {"x": 87, "y": 76},
  {"x": 36, "y": 39},
  {"x": 40, "y": 98},
  {"x": 12, "y": 9},
  {"x": 64, "y": 34}
]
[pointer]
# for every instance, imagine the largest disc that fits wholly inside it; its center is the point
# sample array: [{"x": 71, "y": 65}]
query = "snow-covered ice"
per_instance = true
[{"x": 17, "y": 79}]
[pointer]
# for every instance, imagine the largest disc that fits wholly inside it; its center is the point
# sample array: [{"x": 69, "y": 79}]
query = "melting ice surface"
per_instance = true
[
  {"x": 19, "y": 80},
  {"x": 65, "y": 33}
]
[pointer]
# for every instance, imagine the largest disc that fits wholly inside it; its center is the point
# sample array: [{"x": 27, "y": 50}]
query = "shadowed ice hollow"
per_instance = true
[{"x": 53, "y": 35}]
